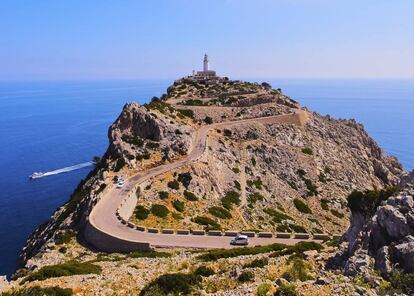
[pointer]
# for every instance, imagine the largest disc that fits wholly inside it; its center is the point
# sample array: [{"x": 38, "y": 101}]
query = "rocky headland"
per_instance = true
[{"x": 304, "y": 173}]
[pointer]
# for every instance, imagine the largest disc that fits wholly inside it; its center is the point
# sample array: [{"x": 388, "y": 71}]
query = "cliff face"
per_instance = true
[
  {"x": 285, "y": 177},
  {"x": 381, "y": 234}
]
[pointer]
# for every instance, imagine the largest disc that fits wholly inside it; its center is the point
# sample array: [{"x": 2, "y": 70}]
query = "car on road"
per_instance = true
[
  {"x": 120, "y": 183},
  {"x": 240, "y": 240}
]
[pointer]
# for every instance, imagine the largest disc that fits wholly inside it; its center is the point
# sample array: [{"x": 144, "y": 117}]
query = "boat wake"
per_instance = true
[{"x": 37, "y": 175}]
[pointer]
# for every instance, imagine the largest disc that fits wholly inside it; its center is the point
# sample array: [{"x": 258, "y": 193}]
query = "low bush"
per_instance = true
[
  {"x": 220, "y": 212},
  {"x": 237, "y": 185},
  {"x": 208, "y": 120},
  {"x": 231, "y": 197},
  {"x": 312, "y": 189},
  {"x": 178, "y": 205},
  {"x": 307, "y": 150},
  {"x": 37, "y": 291},
  {"x": 206, "y": 221},
  {"x": 64, "y": 237},
  {"x": 236, "y": 170},
  {"x": 185, "y": 179},
  {"x": 337, "y": 214},
  {"x": 324, "y": 204},
  {"x": 264, "y": 289},
  {"x": 302, "y": 206},
  {"x": 141, "y": 212},
  {"x": 257, "y": 183},
  {"x": 190, "y": 196},
  {"x": 174, "y": 184},
  {"x": 254, "y": 197},
  {"x": 64, "y": 269},
  {"x": 286, "y": 289},
  {"x": 159, "y": 210},
  {"x": 402, "y": 283},
  {"x": 259, "y": 263},
  {"x": 297, "y": 249},
  {"x": 172, "y": 284},
  {"x": 245, "y": 276},
  {"x": 152, "y": 145},
  {"x": 277, "y": 216},
  {"x": 186, "y": 112},
  {"x": 148, "y": 254},
  {"x": 299, "y": 270},
  {"x": 137, "y": 141},
  {"x": 163, "y": 194},
  {"x": 227, "y": 132},
  {"x": 204, "y": 271},
  {"x": 297, "y": 228},
  {"x": 214, "y": 255}
]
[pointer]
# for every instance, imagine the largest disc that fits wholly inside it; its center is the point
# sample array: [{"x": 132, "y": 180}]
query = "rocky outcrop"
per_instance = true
[{"x": 384, "y": 240}]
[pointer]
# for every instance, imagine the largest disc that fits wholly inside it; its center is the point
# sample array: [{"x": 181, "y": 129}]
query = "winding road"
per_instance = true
[{"x": 106, "y": 232}]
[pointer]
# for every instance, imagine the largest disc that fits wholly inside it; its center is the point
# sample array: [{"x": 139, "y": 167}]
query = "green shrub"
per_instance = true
[
  {"x": 219, "y": 212},
  {"x": 312, "y": 189},
  {"x": 257, "y": 183},
  {"x": 185, "y": 179},
  {"x": 148, "y": 254},
  {"x": 178, "y": 205},
  {"x": 64, "y": 269},
  {"x": 174, "y": 184},
  {"x": 300, "y": 270},
  {"x": 163, "y": 194},
  {"x": 141, "y": 212},
  {"x": 298, "y": 249},
  {"x": 159, "y": 210},
  {"x": 254, "y": 197},
  {"x": 277, "y": 216},
  {"x": 214, "y": 255},
  {"x": 186, "y": 113},
  {"x": 302, "y": 206},
  {"x": 227, "y": 132},
  {"x": 297, "y": 228},
  {"x": 204, "y": 271},
  {"x": 402, "y": 282},
  {"x": 38, "y": 291},
  {"x": 208, "y": 120},
  {"x": 264, "y": 289},
  {"x": 366, "y": 202},
  {"x": 206, "y": 221},
  {"x": 286, "y": 289},
  {"x": 177, "y": 216},
  {"x": 120, "y": 163},
  {"x": 246, "y": 276},
  {"x": 171, "y": 284},
  {"x": 236, "y": 170},
  {"x": 259, "y": 263},
  {"x": 337, "y": 214},
  {"x": 190, "y": 196},
  {"x": 324, "y": 204},
  {"x": 237, "y": 185},
  {"x": 137, "y": 141},
  {"x": 231, "y": 197},
  {"x": 307, "y": 150},
  {"x": 64, "y": 237},
  {"x": 152, "y": 145}
]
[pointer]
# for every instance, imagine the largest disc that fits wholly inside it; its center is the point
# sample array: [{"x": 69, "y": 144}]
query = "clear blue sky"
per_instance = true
[{"x": 132, "y": 39}]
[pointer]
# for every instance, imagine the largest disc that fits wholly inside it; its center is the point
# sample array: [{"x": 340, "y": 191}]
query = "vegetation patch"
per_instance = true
[
  {"x": 277, "y": 216},
  {"x": 324, "y": 204},
  {"x": 137, "y": 141},
  {"x": 186, "y": 113},
  {"x": 214, "y": 255},
  {"x": 64, "y": 237},
  {"x": 286, "y": 289},
  {"x": 246, "y": 276},
  {"x": 254, "y": 197},
  {"x": 302, "y": 206},
  {"x": 204, "y": 271},
  {"x": 297, "y": 249},
  {"x": 185, "y": 179},
  {"x": 174, "y": 184},
  {"x": 206, "y": 221},
  {"x": 307, "y": 151},
  {"x": 65, "y": 269},
  {"x": 256, "y": 183},
  {"x": 231, "y": 198},
  {"x": 163, "y": 194},
  {"x": 178, "y": 205},
  {"x": 236, "y": 170},
  {"x": 148, "y": 254},
  {"x": 299, "y": 270},
  {"x": 257, "y": 263},
  {"x": 34, "y": 291},
  {"x": 208, "y": 120},
  {"x": 141, "y": 212},
  {"x": 190, "y": 196},
  {"x": 172, "y": 284},
  {"x": 159, "y": 210},
  {"x": 337, "y": 214},
  {"x": 220, "y": 212}
]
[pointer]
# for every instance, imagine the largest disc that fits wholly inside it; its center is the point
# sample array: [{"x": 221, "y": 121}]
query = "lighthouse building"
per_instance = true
[{"x": 206, "y": 75}]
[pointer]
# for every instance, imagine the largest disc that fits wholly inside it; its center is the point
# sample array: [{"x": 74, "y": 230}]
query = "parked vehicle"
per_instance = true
[
  {"x": 120, "y": 182},
  {"x": 240, "y": 240}
]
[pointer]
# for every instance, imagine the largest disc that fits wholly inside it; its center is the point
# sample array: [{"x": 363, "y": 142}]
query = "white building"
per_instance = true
[{"x": 206, "y": 74}]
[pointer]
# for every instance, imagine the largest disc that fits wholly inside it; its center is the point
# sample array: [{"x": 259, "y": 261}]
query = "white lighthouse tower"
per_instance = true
[{"x": 205, "y": 63}]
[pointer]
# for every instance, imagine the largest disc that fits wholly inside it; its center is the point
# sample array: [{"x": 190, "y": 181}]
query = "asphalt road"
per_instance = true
[{"x": 103, "y": 215}]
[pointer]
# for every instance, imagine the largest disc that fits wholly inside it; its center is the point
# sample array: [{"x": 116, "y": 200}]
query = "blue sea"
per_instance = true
[{"x": 45, "y": 126}]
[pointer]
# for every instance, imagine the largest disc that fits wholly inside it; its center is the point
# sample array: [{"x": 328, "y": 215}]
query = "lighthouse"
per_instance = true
[{"x": 205, "y": 63}]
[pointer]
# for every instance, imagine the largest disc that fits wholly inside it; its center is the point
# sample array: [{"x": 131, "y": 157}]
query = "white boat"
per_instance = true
[{"x": 36, "y": 175}]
